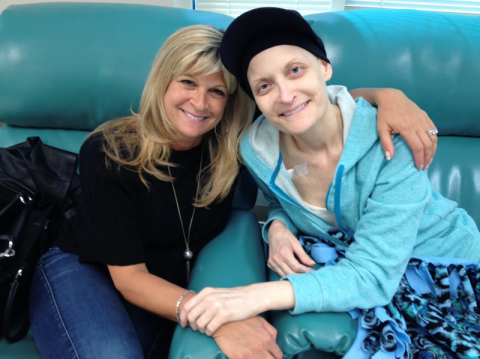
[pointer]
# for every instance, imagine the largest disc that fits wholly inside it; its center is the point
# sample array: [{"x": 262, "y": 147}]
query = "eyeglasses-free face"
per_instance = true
[
  {"x": 289, "y": 86},
  {"x": 194, "y": 105}
]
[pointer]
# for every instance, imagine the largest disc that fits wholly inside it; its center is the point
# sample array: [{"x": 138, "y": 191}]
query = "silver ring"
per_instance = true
[{"x": 432, "y": 132}]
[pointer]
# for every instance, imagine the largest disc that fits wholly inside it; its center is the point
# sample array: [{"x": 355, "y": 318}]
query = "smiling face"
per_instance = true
[
  {"x": 194, "y": 105},
  {"x": 289, "y": 86}
]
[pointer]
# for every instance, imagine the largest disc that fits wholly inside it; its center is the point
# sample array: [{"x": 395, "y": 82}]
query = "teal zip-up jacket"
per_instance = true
[{"x": 388, "y": 206}]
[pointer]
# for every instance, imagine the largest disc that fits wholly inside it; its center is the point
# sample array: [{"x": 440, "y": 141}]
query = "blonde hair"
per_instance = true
[{"x": 143, "y": 141}]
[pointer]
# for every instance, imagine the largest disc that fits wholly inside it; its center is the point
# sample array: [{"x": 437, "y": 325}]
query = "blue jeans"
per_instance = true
[{"x": 76, "y": 312}]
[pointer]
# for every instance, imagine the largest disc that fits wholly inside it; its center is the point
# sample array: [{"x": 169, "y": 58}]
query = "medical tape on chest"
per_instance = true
[{"x": 298, "y": 171}]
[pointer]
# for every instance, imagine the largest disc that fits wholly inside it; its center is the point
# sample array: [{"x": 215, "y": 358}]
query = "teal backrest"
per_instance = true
[
  {"x": 434, "y": 58},
  {"x": 78, "y": 65}
]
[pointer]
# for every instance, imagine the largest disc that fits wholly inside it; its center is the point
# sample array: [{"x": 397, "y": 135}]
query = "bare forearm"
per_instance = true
[
  {"x": 151, "y": 293},
  {"x": 373, "y": 95}
]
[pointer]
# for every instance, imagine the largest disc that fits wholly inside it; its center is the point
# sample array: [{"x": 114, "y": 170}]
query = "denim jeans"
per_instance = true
[{"x": 76, "y": 312}]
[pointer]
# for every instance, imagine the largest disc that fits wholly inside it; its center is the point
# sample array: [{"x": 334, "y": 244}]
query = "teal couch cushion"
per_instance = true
[{"x": 455, "y": 172}]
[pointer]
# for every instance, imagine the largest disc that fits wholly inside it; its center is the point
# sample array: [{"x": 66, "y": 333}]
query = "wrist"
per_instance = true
[
  {"x": 278, "y": 223},
  {"x": 384, "y": 95},
  {"x": 277, "y": 295},
  {"x": 261, "y": 295}
]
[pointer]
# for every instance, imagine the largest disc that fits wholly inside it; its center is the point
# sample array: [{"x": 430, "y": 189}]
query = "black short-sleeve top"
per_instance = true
[{"x": 122, "y": 222}]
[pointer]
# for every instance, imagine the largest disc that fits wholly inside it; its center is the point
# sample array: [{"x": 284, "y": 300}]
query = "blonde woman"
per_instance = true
[
  {"x": 138, "y": 173},
  {"x": 157, "y": 186}
]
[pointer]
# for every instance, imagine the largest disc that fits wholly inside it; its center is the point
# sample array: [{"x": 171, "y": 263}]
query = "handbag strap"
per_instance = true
[
  {"x": 19, "y": 197},
  {"x": 30, "y": 247},
  {"x": 26, "y": 200},
  {"x": 8, "y": 312}
]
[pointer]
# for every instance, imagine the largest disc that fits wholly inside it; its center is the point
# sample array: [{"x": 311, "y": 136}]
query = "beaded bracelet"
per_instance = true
[{"x": 179, "y": 301}]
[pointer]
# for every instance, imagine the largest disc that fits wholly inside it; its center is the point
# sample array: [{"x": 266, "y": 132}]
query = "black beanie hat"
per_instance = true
[{"x": 257, "y": 30}]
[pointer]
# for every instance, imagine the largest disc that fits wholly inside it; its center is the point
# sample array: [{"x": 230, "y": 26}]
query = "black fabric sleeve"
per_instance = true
[{"x": 109, "y": 231}]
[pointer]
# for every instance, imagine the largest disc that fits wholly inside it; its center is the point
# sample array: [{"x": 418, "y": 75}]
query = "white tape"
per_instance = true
[{"x": 298, "y": 171}]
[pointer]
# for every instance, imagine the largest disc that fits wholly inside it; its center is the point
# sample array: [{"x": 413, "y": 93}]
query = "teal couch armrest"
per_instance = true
[
  {"x": 327, "y": 332},
  {"x": 234, "y": 258}
]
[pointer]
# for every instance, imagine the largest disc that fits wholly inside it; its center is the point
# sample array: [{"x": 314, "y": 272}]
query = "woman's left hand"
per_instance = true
[
  {"x": 212, "y": 307},
  {"x": 398, "y": 114}
]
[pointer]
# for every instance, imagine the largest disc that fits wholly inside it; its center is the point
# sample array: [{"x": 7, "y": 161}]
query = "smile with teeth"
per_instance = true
[
  {"x": 194, "y": 117},
  {"x": 301, "y": 107}
]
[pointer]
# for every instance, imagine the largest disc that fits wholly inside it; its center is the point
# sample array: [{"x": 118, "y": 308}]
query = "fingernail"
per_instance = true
[
  {"x": 387, "y": 154},
  {"x": 426, "y": 168},
  {"x": 421, "y": 166},
  {"x": 431, "y": 161}
]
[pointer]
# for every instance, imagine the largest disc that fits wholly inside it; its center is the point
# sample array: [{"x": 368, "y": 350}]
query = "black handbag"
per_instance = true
[{"x": 39, "y": 196}]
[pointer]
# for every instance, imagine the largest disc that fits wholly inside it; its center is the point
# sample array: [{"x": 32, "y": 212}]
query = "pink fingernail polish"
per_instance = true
[
  {"x": 421, "y": 167},
  {"x": 387, "y": 155}
]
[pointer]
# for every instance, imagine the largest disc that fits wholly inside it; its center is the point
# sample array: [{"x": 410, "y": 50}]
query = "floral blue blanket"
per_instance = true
[{"x": 433, "y": 315}]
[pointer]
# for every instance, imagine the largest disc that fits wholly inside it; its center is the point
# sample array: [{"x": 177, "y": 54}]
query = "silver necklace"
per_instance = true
[{"x": 187, "y": 253}]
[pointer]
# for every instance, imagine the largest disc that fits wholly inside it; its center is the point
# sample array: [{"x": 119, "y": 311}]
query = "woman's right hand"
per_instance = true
[
  {"x": 283, "y": 246},
  {"x": 252, "y": 338}
]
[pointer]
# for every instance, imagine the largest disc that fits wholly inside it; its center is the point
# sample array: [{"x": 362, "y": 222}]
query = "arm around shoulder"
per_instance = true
[{"x": 398, "y": 114}]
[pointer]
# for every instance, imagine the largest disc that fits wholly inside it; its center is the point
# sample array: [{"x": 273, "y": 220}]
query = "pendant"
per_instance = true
[{"x": 187, "y": 254}]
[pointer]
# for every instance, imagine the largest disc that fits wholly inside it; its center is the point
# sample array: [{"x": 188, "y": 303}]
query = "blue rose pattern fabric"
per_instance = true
[{"x": 440, "y": 322}]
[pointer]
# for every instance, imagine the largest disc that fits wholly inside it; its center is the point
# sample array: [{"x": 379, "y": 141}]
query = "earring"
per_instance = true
[{"x": 228, "y": 127}]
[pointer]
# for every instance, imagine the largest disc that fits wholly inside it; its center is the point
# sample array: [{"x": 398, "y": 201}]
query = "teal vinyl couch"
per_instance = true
[{"x": 66, "y": 68}]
